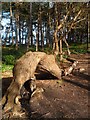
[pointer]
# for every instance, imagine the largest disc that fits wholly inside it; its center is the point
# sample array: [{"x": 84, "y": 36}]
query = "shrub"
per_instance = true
[
  {"x": 47, "y": 50},
  {"x": 6, "y": 67},
  {"x": 8, "y": 59}
]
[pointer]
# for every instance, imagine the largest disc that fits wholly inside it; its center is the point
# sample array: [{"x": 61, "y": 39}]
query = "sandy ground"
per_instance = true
[{"x": 66, "y": 98}]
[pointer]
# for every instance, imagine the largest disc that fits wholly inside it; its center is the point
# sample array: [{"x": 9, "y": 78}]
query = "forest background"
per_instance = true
[{"x": 59, "y": 28}]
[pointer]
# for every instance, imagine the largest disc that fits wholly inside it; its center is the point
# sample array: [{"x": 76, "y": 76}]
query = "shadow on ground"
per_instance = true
[
  {"x": 67, "y": 98},
  {"x": 5, "y": 84}
]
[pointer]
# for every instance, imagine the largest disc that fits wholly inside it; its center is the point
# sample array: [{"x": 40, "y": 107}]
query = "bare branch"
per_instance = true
[
  {"x": 79, "y": 21},
  {"x": 61, "y": 25},
  {"x": 73, "y": 23},
  {"x": 70, "y": 69},
  {"x": 77, "y": 16}
]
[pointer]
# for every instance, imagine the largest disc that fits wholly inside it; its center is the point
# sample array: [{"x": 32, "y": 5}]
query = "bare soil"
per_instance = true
[{"x": 66, "y": 98}]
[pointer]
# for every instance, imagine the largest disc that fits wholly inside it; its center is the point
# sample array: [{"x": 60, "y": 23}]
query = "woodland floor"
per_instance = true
[{"x": 68, "y": 98}]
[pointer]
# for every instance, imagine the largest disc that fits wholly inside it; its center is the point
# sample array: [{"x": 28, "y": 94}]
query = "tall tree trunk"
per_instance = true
[
  {"x": 42, "y": 40},
  {"x": 40, "y": 24},
  {"x": 60, "y": 49},
  {"x": 37, "y": 33},
  {"x": 11, "y": 23},
  {"x": 54, "y": 27},
  {"x": 12, "y": 39},
  {"x": 37, "y": 40},
  {"x": 17, "y": 26},
  {"x": 26, "y": 36},
  {"x": 19, "y": 31},
  {"x": 30, "y": 40},
  {"x": 0, "y": 21},
  {"x": 22, "y": 32},
  {"x": 31, "y": 24},
  {"x": 88, "y": 22},
  {"x": 0, "y": 57},
  {"x": 48, "y": 38},
  {"x": 6, "y": 39},
  {"x": 56, "y": 49}
]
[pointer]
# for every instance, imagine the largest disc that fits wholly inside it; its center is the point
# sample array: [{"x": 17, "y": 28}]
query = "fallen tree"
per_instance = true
[{"x": 24, "y": 70}]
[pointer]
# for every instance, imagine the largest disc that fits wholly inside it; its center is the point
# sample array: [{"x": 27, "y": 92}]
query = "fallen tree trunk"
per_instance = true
[
  {"x": 49, "y": 64},
  {"x": 24, "y": 70}
]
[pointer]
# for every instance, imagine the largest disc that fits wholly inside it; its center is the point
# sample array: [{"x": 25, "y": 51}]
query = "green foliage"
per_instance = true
[
  {"x": 78, "y": 48},
  {"x": 11, "y": 51},
  {"x": 8, "y": 59},
  {"x": 32, "y": 48},
  {"x": 77, "y": 51},
  {"x": 57, "y": 58},
  {"x": 6, "y": 67},
  {"x": 48, "y": 50},
  {"x": 10, "y": 55},
  {"x": 65, "y": 56}
]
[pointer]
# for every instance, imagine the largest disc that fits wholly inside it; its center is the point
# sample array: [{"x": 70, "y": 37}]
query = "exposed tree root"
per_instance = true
[
  {"x": 24, "y": 70},
  {"x": 70, "y": 69}
]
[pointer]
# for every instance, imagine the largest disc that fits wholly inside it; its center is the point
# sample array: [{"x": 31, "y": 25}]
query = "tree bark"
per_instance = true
[
  {"x": 56, "y": 50},
  {"x": 17, "y": 27},
  {"x": 30, "y": 41},
  {"x": 37, "y": 40},
  {"x": 11, "y": 23},
  {"x": 88, "y": 22},
  {"x": 61, "y": 51},
  {"x": 37, "y": 33},
  {"x": 68, "y": 70},
  {"x": 41, "y": 30},
  {"x": 24, "y": 70}
]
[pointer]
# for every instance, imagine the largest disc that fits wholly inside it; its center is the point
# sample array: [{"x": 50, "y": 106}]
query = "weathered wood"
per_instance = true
[
  {"x": 24, "y": 70},
  {"x": 49, "y": 64},
  {"x": 68, "y": 70}
]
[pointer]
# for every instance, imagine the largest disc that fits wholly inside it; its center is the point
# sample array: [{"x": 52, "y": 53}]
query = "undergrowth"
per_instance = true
[
  {"x": 6, "y": 67},
  {"x": 10, "y": 54}
]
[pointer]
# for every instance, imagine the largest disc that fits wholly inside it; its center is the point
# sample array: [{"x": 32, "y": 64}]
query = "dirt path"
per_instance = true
[{"x": 67, "y": 98}]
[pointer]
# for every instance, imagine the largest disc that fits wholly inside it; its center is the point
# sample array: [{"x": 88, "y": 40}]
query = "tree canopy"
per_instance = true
[{"x": 45, "y": 24}]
